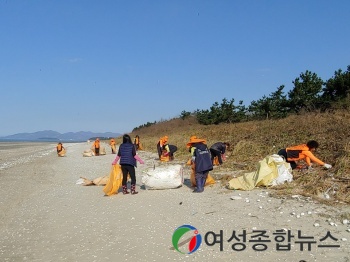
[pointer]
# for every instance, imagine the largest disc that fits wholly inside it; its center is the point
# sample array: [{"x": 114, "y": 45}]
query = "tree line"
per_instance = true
[{"x": 310, "y": 93}]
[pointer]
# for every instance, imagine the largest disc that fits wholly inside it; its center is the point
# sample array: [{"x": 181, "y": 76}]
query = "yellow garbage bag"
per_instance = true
[
  {"x": 210, "y": 180},
  {"x": 266, "y": 173},
  {"x": 245, "y": 182},
  {"x": 114, "y": 182},
  {"x": 164, "y": 158}
]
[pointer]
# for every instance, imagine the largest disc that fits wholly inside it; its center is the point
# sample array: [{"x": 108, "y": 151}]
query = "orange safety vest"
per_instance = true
[{"x": 300, "y": 152}]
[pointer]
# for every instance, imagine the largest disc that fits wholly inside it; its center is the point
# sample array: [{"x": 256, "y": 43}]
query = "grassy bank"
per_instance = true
[{"x": 252, "y": 141}]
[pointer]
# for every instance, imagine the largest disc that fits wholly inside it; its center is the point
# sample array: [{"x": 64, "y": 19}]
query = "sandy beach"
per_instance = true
[{"x": 46, "y": 216}]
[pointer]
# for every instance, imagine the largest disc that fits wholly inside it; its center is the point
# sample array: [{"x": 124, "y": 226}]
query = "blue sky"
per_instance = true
[{"x": 110, "y": 65}]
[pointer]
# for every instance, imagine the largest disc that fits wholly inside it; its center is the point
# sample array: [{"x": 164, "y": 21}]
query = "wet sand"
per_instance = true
[{"x": 46, "y": 216}]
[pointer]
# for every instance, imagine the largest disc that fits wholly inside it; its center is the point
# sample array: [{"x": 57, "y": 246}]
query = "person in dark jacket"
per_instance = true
[
  {"x": 218, "y": 150},
  {"x": 169, "y": 150},
  {"x": 202, "y": 160},
  {"x": 127, "y": 156}
]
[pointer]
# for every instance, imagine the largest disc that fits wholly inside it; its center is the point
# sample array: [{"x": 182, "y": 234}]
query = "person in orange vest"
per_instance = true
[
  {"x": 137, "y": 143},
  {"x": 112, "y": 143},
  {"x": 59, "y": 147},
  {"x": 302, "y": 152},
  {"x": 97, "y": 147},
  {"x": 162, "y": 142}
]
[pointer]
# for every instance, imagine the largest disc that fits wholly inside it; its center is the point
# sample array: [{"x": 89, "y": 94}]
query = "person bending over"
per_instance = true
[
  {"x": 302, "y": 152},
  {"x": 218, "y": 150}
]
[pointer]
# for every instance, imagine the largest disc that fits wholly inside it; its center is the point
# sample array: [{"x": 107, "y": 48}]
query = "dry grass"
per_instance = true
[{"x": 252, "y": 141}]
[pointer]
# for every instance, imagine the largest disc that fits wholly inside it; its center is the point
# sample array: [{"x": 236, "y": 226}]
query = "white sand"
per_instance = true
[{"x": 45, "y": 216}]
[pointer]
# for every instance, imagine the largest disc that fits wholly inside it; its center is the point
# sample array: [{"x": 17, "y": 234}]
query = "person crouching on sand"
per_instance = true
[
  {"x": 162, "y": 141},
  {"x": 60, "y": 149}
]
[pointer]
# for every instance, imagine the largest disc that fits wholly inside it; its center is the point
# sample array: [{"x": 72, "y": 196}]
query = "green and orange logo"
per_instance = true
[{"x": 194, "y": 240}]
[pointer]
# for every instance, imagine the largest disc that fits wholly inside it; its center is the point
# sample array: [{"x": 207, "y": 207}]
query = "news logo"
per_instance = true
[{"x": 194, "y": 240}]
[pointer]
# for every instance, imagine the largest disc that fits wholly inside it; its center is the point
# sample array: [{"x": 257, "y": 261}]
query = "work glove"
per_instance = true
[
  {"x": 139, "y": 159},
  {"x": 328, "y": 166},
  {"x": 115, "y": 160}
]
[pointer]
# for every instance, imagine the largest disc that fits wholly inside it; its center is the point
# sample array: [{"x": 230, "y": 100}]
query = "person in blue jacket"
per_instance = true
[
  {"x": 202, "y": 159},
  {"x": 127, "y": 156}
]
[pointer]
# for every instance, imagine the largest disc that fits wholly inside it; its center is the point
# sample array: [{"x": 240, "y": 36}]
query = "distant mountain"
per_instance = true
[{"x": 49, "y": 135}]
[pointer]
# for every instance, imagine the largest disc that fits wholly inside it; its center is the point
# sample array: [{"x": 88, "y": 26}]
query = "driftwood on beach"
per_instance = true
[{"x": 99, "y": 181}]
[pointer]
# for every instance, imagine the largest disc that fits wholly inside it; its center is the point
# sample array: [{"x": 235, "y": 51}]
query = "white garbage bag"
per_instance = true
[
  {"x": 284, "y": 171},
  {"x": 88, "y": 153},
  {"x": 164, "y": 177}
]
